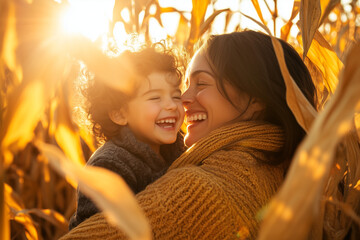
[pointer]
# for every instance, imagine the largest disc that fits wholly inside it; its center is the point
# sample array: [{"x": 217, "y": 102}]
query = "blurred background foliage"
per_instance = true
[{"x": 42, "y": 43}]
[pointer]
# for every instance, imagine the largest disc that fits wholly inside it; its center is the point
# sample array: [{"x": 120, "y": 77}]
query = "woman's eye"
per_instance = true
[{"x": 202, "y": 84}]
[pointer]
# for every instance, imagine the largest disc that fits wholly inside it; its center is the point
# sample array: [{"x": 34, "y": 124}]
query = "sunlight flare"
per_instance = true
[{"x": 88, "y": 18}]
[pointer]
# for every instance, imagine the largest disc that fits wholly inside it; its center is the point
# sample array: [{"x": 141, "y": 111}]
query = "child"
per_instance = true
[{"x": 141, "y": 130}]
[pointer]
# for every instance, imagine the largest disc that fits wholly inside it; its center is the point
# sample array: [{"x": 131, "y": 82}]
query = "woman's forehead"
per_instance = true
[{"x": 198, "y": 63}]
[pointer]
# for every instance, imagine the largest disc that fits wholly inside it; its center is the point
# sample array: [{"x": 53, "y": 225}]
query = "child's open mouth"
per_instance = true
[{"x": 168, "y": 123}]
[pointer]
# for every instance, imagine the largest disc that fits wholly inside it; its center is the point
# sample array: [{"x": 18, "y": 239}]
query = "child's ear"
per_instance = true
[{"x": 118, "y": 116}]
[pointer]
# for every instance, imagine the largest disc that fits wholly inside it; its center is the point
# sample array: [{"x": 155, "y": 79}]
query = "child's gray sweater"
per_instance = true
[{"x": 133, "y": 160}]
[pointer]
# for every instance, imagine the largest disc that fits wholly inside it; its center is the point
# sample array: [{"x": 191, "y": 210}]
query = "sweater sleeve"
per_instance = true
[{"x": 184, "y": 204}]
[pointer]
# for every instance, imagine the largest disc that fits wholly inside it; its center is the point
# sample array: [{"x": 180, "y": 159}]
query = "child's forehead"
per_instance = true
[{"x": 160, "y": 79}]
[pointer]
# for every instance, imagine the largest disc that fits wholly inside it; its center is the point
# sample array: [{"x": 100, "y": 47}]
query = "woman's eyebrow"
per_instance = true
[{"x": 197, "y": 72}]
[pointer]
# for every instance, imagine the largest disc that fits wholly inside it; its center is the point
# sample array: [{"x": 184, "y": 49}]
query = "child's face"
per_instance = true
[{"x": 156, "y": 114}]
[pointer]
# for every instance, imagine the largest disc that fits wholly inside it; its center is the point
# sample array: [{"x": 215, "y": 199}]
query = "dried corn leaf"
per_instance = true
[
  {"x": 12, "y": 199},
  {"x": 205, "y": 26},
  {"x": 337, "y": 218},
  {"x": 88, "y": 138},
  {"x": 228, "y": 17},
  {"x": 303, "y": 111},
  {"x": 47, "y": 186},
  {"x": 66, "y": 135},
  {"x": 357, "y": 124},
  {"x": 310, "y": 13},
  {"x": 182, "y": 31},
  {"x": 348, "y": 210},
  {"x": 297, "y": 204},
  {"x": 285, "y": 30},
  {"x": 4, "y": 215},
  {"x": 322, "y": 55},
  {"x": 107, "y": 189},
  {"x": 197, "y": 18},
  {"x": 8, "y": 40},
  {"x": 147, "y": 16},
  {"x": 31, "y": 232},
  {"x": 50, "y": 215},
  {"x": 325, "y": 58},
  {"x": 169, "y": 10},
  {"x": 15, "y": 206},
  {"x": 119, "y": 5},
  {"x": 326, "y": 7},
  {"x": 4, "y": 18},
  {"x": 26, "y": 105},
  {"x": 258, "y": 10},
  {"x": 158, "y": 14},
  {"x": 258, "y": 23}
]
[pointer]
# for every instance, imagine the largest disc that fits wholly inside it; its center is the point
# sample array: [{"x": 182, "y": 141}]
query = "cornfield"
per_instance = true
[{"x": 44, "y": 148}]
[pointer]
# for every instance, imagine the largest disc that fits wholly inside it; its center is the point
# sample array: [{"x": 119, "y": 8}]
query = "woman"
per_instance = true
[{"x": 242, "y": 136}]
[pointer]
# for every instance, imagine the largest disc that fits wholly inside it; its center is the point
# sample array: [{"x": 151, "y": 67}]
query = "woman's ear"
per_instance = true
[
  {"x": 257, "y": 104},
  {"x": 118, "y": 116},
  {"x": 257, "y": 108}
]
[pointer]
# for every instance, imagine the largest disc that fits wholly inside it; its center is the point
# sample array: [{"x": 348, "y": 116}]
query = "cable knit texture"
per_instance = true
[
  {"x": 134, "y": 161},
  {"x": 215, "y": 190}
]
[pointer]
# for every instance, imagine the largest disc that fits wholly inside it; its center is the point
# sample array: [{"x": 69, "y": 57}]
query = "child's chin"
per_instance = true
[{"x": 169, "y": 140}]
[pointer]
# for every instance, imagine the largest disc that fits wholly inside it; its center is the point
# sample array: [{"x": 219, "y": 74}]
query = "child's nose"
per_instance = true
[{"x": 170, "y": 104}]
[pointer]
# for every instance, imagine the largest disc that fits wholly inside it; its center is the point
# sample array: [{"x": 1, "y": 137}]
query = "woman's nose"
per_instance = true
[{"x": 187, "y": 96}]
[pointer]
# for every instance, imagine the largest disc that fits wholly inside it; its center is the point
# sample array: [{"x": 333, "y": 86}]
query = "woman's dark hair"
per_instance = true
[
  {"x": 101, "y": 98},
  {"x": 248, "y": 62}
]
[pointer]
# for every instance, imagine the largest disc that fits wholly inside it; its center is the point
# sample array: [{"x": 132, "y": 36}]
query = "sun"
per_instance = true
[{"x": 89, "y": 18}]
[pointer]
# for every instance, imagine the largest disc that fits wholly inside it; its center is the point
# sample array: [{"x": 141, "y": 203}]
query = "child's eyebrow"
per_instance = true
[
  {"x": 158, "y": 90},
  {"x": 152, "y": 91}
]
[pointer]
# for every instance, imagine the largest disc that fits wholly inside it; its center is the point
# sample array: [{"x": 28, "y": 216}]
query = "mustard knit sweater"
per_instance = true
[{"x": 215, "y": 190}]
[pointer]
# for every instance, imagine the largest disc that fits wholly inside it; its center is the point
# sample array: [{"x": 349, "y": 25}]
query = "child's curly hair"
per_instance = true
[{"x": 101, "y": 99}]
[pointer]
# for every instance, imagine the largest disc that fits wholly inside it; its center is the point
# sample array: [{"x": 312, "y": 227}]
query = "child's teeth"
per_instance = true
[{"x": 169, "y": 120}]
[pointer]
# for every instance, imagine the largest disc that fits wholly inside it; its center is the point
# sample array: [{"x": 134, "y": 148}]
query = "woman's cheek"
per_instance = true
[{"x": 202, "y": 96}]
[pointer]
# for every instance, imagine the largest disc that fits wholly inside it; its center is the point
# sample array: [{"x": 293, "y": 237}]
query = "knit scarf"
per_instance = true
[{"x": 247, "y": 135}]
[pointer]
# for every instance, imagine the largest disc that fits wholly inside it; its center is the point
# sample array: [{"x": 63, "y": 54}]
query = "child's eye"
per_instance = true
[
  {"x": 177, "y": 97},
  {"x": 154, "y": 98}
]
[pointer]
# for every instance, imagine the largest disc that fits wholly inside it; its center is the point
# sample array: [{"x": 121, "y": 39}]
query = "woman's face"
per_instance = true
[{"x": 206, "y": 109}]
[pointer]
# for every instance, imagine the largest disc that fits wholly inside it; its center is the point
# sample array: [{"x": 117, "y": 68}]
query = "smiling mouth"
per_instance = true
[
  {"x": 167, "y": 123},
  {"x": 195, "y": 118}
]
